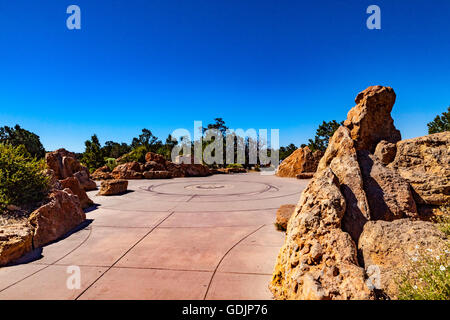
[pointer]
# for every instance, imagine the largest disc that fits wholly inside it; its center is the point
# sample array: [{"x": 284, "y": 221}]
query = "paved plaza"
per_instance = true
[{"x": 184, "y": 238}]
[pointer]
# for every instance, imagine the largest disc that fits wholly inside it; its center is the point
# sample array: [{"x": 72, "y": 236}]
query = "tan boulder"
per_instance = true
[
  {"x": 54, "y": 219},
  {"x": 318, "y": 259},
  {"x": 424, "y": 163},
  {"x": 129, "y": 170},
  {"x": 73, "y": 184},
  {"x": 300, "y": 161},
  {"x": 342, "y": 158},
  {"x": 113, "y": 187},
  {"x": 284, "y": 213},
  {"x": 388, "y": 194},
  {"x": 15, "y": 241},
  {"x": 387, "y": 249},
  {"x": 385, "y": 152},
  {"x": 370, "y": 120}
]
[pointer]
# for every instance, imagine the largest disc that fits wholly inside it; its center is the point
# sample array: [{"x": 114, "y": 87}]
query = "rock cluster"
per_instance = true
[
  {"x": 46, "y": 224},
  {"x": 64, "y": 165},
  {"x": 301, "y": 161},
  {"x": 360, "y": 210},
  {"x": 60, "y": 215},
  {"x": 61, "y": 212},
  {"x": 156, "y": 167},
  {"x": 65, "y": 171}
]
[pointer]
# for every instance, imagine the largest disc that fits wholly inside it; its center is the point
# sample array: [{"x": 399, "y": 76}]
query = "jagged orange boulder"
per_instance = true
[
  {"x": 53, "y": 220},
  {"x": 302, "y": 160}
]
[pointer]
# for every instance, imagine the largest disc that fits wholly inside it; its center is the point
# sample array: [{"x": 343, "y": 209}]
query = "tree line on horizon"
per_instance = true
[{"x": 96, "y": 155}]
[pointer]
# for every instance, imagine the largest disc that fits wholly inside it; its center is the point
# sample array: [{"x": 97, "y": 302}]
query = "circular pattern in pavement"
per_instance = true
[{"x": 207, "y": 189}]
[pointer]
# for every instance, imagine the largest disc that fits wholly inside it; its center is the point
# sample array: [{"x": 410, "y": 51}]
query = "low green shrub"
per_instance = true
[
  {"x": 138, "y": 154},
  {"x": 428, "y": 278},
  {"x": 111, "y": 163},
  {"x": 22, "y": 180}
]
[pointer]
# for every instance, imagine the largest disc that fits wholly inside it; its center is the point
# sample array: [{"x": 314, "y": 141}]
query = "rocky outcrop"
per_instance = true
[
  {"x": 74, "y": 185},
  {"x": 364, "y": 192},
  {"x": 157, "y": 167},
  {"x": 424, "y": 163},
  {"x": 54, "y": 219},
  {"x": 318, "y": 260},
  {"x": 15, "y": 241},
  {"x": 64, "y": 165},
  {"x": 370, "y": 120},
  {"x": 284, "y": 213},
  {"x": 387, "y": 249},
  {"x": 300, "y": 161},
  {"x": 113, "y": 187}
]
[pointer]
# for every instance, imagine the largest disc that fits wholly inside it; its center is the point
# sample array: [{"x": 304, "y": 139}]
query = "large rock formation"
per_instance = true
[
  {"x": 54, "y": 219},
  {"x": 64, "y": 165},
  {"x": 302, "y": 160},
  {"x": 424, "y": 163},
  {"x": 318, "y": 260},
  {"x": 354, "y": 197},
  {"x": 388, "y": 247},
  {"x": 370, "y": 120},
  {"x": 15, "y": 241}
]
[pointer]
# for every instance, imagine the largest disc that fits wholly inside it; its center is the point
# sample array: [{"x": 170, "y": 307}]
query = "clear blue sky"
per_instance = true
[{"x": 161, "y": 64}]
